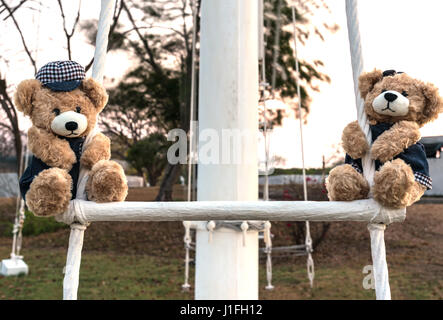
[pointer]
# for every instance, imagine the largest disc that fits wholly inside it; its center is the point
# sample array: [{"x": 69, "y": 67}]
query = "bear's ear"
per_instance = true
[
  {"x": 95, "y": 92},
  {"x": 367, "y": 81},
  {"x": 434, "y": 102},
  {"x": 25, "y": 94}
]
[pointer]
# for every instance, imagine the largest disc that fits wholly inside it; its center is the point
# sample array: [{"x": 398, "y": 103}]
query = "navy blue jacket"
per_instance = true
[
  {"x": 415, "y": 156},
  {"x": 36, "y": 166}
]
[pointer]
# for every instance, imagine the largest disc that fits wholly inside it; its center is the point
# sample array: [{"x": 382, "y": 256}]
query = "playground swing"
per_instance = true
[
  {"x": 81, "y": 212},
  {"x": 264, "y": 227}
]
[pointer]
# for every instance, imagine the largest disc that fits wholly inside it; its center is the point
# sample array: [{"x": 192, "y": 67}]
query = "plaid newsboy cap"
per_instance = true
[{"x": 61, "y": 75}]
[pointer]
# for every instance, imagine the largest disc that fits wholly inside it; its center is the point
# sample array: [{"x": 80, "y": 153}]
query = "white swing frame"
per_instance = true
[{"x": 81, "y": 212}]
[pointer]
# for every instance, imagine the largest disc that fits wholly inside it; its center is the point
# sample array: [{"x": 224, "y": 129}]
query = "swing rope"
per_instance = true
[
  {"x": 308, "y": 239},
  {"x": 19, "y": 221},
  {"x": 263, "y": 85},
  {"x": 187, "y": 224},
  {"x": 72, "y": 269},
  {"x": 378, "y": 250}
]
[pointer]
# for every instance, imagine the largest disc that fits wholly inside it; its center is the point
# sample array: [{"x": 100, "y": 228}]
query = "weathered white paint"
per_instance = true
[
  {"x": 379, "y": 264},
  {"x": 73, "y": 260},
  {"x": 361, "y": 210},
  {"x": 228, "y": 94}
]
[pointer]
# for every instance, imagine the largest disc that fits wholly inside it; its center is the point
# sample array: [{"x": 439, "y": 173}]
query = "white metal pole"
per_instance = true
[{"x": 225, "y": 269}]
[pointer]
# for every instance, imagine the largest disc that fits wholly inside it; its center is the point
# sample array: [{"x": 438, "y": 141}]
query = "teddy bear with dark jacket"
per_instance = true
[
  {"x": 63, "y": 105},
  {"x": 397, "y": 106}
]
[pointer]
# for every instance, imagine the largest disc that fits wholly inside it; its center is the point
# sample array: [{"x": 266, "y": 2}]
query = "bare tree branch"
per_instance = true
[
  {"x": 13, "y": 10},
  {"x": 69, "y": 34},
  {"x": 145, "y": 43},
  {"x": 21, "y": 35}
]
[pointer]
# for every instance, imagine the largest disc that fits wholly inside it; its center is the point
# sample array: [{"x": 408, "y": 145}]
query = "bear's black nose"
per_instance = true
[
  {"x": 390, "y": 97},
  {"x": 71, "y": 125}
]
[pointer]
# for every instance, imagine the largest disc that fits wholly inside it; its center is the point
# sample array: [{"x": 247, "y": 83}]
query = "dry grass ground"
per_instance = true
[{"x": 145, "y": 261}]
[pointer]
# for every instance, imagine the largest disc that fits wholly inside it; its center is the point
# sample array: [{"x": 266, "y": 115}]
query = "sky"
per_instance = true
[{"x": 396, "y": 34}]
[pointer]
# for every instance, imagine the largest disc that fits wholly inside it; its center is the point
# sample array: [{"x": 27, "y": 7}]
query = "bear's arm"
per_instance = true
[
  {"x": 392, "y": 142},
  {"x": 98, "y": 149},
  {"x": 354, "y": 141},
  {"x": 53, "y": 151}
]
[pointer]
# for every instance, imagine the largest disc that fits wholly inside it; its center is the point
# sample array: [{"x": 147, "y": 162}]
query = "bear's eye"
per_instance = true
[
  {"x": 384, "y": 90},
  {"x": 56, "y": 111},
  {"x": 404, "y": 93},
  {"x": 78, "y": 109}
]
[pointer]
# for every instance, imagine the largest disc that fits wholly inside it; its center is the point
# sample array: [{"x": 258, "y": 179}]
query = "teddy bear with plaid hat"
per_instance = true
[{"x": 63, "y": 106}]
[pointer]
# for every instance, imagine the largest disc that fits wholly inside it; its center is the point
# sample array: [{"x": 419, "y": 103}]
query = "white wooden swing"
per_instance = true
[{"x": 82, "y": 212}]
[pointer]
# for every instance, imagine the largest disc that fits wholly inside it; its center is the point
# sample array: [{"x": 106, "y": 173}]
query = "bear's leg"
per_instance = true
[
  {"x": 395, "y": 185},
  {"x": 106, "y": 182},
  {"x": 49, "y": 193},
  {"x": 344, "y": 183}
]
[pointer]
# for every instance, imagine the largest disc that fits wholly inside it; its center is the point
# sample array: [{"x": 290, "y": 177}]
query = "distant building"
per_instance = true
[{"x": 434, "y": 150}]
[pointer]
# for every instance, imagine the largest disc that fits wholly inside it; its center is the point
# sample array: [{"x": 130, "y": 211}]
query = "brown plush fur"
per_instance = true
[
  {"x": 106, "y": 182},
  {"x": 366, "y": 82},
  {"x": 401, "y": 136},
  {"x": 98, "y": 149},
  {"x": 49, "y": 193},
  {"x": 38, "y": 102},
  {"x": 344, "y": 183},
  {"x": 394, "y": 184},
  {"x": 53, "y": 151},
  {"x": 354, "y": 141},
  {"x": 425, "y": 102}
]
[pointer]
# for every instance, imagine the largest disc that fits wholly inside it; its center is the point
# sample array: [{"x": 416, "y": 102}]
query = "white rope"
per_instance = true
[
  {"x": 72, "y": 270},
  {"x": 244, "y": 228},
  {"x": 357, "y": 69},
  {"x": 192, "y": 102},
  {"x": 379, "y": 265},
  {"x": 101, "y": 42},
  {"x": 187, "y": 240},
  {"x": 308, "y": 239},
  {"x": 380, "y": 268},
  {"x": 268, "y": 251},
  {"x": 263, "y": 86},
  {"x": 74, "y": 213},
  {"x": 367, "y": 211},
  {"x": 20, "y": 211},
  {"x": 210, "y": 226}
]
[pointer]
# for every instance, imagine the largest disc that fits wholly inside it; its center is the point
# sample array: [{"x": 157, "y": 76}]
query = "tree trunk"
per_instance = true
[
  {"x": 8, "y": 107},
  {"x": 152, "y": 179},
  {"x": 171, "y": 175}
]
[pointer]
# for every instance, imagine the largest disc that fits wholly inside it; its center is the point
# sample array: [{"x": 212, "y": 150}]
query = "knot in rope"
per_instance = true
[{"x": 74, "y": 214}]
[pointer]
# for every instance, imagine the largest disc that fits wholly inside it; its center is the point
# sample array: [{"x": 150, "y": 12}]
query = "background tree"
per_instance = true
[
  {"x": 279, "y": 55},
  {"x": 155, "y": 95},
  {"x": 148, "y": 156}
]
